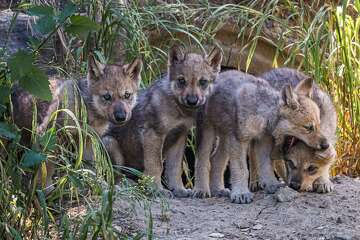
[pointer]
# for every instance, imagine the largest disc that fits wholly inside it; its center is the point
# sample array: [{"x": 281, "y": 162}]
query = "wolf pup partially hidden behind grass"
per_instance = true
[
  {"x": 243, "y": 109},
  {"x": 109, "y": 93},
  {"x": 307, "y": 168},
  {"x": 163, "y": 116}
]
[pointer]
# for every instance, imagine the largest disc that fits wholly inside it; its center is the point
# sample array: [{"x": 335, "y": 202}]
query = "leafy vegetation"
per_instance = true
[{"x": 320, "y": 38}]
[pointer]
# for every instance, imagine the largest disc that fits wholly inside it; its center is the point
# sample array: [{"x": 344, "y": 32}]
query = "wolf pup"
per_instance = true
[
  {"x": 243, "y": 109},
  {"x": 307, "y": 168},
  {"x": 163, "y": 116},
  {"x": 109, "y": 93}
]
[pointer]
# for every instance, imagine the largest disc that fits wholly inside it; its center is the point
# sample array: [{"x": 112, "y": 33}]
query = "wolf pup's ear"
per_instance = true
[
  {"x": 95, "y": 68},
  {"x": 305, "y": 87},
  {"x": 176, "y": 54},
  {"x": 133, "y": 70},
  {"x": 289, "y": 97},
  {"x": 215, "y": 58}
]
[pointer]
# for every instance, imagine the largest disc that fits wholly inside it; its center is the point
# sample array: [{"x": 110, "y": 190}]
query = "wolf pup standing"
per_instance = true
[
  {"x": 307, "y": 168},
  {"x": 109, "y": 93},
  {"x": 245, "y": 109},
  {"x": 163, "y": 116}
]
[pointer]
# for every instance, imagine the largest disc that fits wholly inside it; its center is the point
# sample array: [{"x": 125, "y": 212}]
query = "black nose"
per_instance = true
[
  {"x": 192, "y": 100},
  {"x": 120, "y": 115},
  {"x": 295, "y": 185},
  {"x": 324, "y": 144}
]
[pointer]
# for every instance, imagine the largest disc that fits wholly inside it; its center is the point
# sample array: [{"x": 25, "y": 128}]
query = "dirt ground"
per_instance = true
[{"x": 334, "y": 216}]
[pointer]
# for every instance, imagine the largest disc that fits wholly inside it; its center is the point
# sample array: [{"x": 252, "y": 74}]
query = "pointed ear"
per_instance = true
[
  {"x": 215, "y": 58},
  {"x": 289, "y": 97},
  {"x": 176, "y": 54},
  {"x": 305, "y": 87},
  {"x": 133, "y": 70},
  {"x": 95, "y": 68}
]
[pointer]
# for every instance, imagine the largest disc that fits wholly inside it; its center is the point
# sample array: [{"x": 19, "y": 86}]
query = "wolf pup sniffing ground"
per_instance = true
[
  {"x": 163, "y": 116},
  {"x": 307, "y": 168},
  {"x": 243, "y": 109},
  {"x": 109, "y": 93}
]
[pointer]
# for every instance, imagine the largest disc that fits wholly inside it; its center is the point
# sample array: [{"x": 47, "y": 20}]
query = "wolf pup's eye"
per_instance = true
[
  {"x": 203, "y": 83},
  {"x": 107, "y": 97},
  {"x": 127, "y": 95},
  {"x": 310, "y": 128},
  {"x": 312, "y": 169},
  {"x": 181, "y": 82}
]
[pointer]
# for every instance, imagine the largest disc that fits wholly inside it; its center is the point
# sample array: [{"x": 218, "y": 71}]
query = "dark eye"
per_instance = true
[
  {"x": 181, "y": 82},
  {"x": 310, "y": 128},
  {"x": 203, "y": 83},
  {"x": 107, "y": 97},
  {"x": 127, "y": 95},
  {"x": 312, "y": 169}
]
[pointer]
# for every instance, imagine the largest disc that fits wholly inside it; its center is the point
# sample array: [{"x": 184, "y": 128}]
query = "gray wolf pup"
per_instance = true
[
  {"x": 245, "y": 109},
  {"x": 307, "y": 168},
  {"x": 163, "y": 116},
  {"x": 109, "y": 93}
]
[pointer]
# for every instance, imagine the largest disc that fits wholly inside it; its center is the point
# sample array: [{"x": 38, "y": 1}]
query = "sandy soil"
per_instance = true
[{"x": 309, "y": 216}]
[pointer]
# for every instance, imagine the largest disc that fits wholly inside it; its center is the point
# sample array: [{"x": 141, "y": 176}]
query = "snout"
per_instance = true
[
  {"x": 295, "y": 185},
  {"x": 324, "y": 144},
  {"x": 120, "y": 115},
  {"x": 192, "y": 100}
]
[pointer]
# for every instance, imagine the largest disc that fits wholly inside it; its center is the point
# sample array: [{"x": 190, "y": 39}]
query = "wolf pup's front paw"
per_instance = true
[
  {"x": 322, "y": 185},
  {"x": 272, "y": 188},
  {"x": 255, "y": 186},
  {"x": 182, "y": 192},
  {"x": 200, "y": 193},
  {"x": 241, "y": 197},
  {"x": 225, "y": 192}
]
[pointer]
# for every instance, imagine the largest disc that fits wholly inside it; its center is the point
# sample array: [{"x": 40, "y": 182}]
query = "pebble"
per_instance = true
[
  {"x": 324, "y": 204},
  {"x": 257, "y": 227},
  {"x": 339, "y": 220},
  {"x": 341, "y": 236},
  {"x": 285, "y": 194},
  {"x": 216, "y": 235}
]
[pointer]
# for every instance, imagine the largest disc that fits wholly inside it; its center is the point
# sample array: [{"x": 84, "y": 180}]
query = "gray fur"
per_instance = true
[
  {"x": 299, "y": 152},
  {"x": 245, "y": 109},
  {"x": 161, "y": 119}
]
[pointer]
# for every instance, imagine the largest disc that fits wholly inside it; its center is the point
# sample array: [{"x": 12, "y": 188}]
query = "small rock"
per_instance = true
[
  {"x": 244, "y": 227},
  {"x": 339, "y": 220},
  {"x": 257, "y": 227},
  {"x": 324, "y": 204},
  {"x": 216, "y": 235},
  {"x": 285, "y": 194},
  {"x": 117, "y": 228},
  {"x": 341, "y": 236}
]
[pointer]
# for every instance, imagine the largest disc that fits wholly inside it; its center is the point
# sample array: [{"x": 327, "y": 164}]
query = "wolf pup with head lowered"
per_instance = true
[
  {"x": 163, "y": 116},
  {"x": 307, "y": 168},
  {"x": 243, "y": 109},
  {"x": 109, "y": 93}
]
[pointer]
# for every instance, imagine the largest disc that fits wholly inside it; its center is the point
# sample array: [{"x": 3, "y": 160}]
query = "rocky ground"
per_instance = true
[{"x": 332, "y": 216}]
